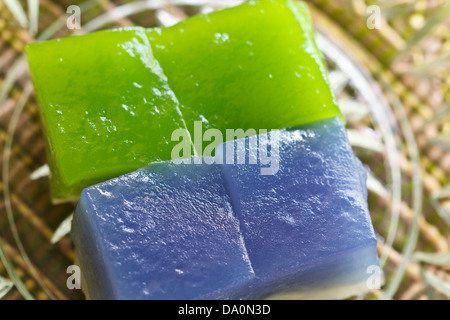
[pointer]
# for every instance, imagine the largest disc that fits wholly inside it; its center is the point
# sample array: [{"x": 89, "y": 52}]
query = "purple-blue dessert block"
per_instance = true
[
  {"x": 284, "y": 216},
  {"x": 162, "y": 232},
  {"x": 303, "y": 210}
]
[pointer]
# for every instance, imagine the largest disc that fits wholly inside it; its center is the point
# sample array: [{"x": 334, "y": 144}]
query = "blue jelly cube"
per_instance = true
[
  {"x": 163, "y": 232},
  {"x": 302, "y": 209},
  {"x": 280, "y": 215}
]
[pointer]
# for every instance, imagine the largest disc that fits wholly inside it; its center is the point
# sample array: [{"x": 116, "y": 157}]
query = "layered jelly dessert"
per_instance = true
[
  {"x": 224, "y": 231},
  {"x": 276, "y": 209},
  {"x": 110, "y": 100},
  {"x": 163, "y": 232},
  {"x": 304, "y": 220}
]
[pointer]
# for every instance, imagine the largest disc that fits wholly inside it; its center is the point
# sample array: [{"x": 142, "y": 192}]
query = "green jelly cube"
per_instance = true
[
  {"x": 111, "y": 100},
  {"x": 252, "y": 66},
  {"x": 105, "y": 105}
]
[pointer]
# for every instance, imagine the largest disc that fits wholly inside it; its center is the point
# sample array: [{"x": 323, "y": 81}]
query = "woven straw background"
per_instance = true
[{"x": 412, "y": 76}]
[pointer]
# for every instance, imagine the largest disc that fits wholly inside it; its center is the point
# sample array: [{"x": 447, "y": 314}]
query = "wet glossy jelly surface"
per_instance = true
[
  {"x": 162, "y": 232},
  {"x": 110, "y": 100},
  {"x": 106, "y": 106},
  {"x": 259, "y": 69},
  {"x": 226, "y": 231},
  {"x": 312, "y": 208}
]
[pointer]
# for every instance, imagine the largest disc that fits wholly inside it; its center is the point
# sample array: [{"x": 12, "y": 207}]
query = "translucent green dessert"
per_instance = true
[
  {"x": 252, "y": 66},
  {"x": 105, "y": 105},
  {"x": 111, "y": 100}
]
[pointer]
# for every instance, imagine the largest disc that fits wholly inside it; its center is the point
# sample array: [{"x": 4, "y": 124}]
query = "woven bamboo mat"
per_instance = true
[{"x": 405, "y": 61}]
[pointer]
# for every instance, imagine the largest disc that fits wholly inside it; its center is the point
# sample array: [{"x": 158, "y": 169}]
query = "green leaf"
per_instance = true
[
  {"x": 443, "y": 193},
  {"x": 442, "y": 141},
  {"x": 62, "y": 230},
  {"x": 353, "y": 110},
  {"x": 429, "y": 289},
  {"x": 42, "y": 171},
  {"x": 5, "y": 286},
  {"x": 437, "y": 283},
  {"x": 17, "y": 11},
  {"x": 438, "y": 259},
  {"x": 437, "y": 64},
  {"x": 338, "y": 80},
  {"x": 393, "y": 9},
  {"x": 437, "y": 17},
  {"x": 434, "y": 199},
  {"x": 361, "y": 140},
  {"x": 441, "y": 115},
  {"x": 374, "y": 185},
  {"x": 33, "y": 13}
]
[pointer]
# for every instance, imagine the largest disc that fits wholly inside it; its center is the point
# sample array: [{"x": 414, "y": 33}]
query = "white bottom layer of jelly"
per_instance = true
[
  {"x": 332, "y": 293},
  {"x": 354, "y": 274}
]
